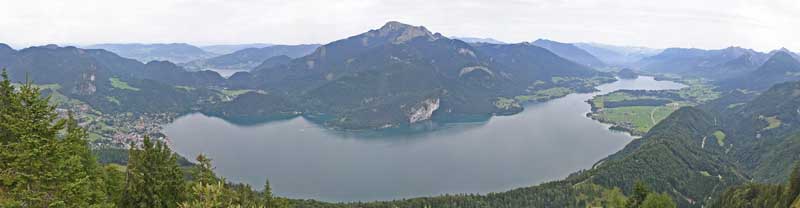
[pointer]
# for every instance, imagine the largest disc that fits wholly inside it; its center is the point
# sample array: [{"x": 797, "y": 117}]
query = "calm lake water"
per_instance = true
[
  {"x": 545, "y": 142},
  {"x": 226, "y": 72}
]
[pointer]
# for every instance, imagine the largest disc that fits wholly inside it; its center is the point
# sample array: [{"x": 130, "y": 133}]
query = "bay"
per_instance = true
[{"x": 545, "y": 142}]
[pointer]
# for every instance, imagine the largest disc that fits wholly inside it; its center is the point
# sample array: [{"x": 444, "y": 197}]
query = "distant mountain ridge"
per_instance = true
[
  {"x": 570, "y": 52},
  {"x": 95, "y": 76},
  {"x": 623, "y": 56},
  {"x": 713, "y": 64},
  {"x": 230, "y": 48},
  {"x": 780, "y": 67},
  {"x": 173, "y": 52},
  {"x": 250, "y": 58},
  {"x": 478, "y": 40}
]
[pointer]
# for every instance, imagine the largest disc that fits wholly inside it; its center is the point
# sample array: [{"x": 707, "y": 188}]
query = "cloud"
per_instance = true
[{"x": 763, "y": 25}]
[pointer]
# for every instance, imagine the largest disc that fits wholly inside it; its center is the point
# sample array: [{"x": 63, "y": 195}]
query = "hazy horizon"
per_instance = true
[{"x": 762, "y": 26}]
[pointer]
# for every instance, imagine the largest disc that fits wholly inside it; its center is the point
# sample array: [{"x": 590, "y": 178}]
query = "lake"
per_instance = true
[
  {"x": 545, "y": 142},
  {"x": 227, "y": 72}
]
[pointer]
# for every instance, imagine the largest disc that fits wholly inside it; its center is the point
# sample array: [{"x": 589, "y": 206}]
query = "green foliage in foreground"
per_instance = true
[{"x": 46, "y": 162}]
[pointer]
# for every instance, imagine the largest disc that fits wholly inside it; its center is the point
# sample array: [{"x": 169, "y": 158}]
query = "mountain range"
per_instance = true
[
  {"x": 173, "y": 52},
  {"x": 780, "y": 67},
  {"x": 401, "y": 74},
  {"x": 107, "y": 81},
  {"x": 249, "y": 58},
  {"x": 392, "y": 76},
  {"x": 716, "y": 64},
  {"x": 571, "y": 52},
  {"x": 478, "y": 40},
  {"x": 230, "y": 48},
  {"x": 621, "y": 56}
]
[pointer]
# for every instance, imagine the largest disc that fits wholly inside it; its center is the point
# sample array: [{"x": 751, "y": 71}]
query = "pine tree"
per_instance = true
[
  {"x": 656, "y": 200},
  {"x": 153, "y": 178},
  {"x": 42, "y": 167},
  {"x": 793, "y": 189},
  {"x": 207, "y": 196},
  {"x": 113, "y": 183},
  {"x": 203, "y": 172},
  {"x": 614, "y": 198},
  {"x": 267, "y": 196},
  {"x": 271, "y": 201},
  {"x": 6, "y": 93},
  {"x": 640, "y": 192}
]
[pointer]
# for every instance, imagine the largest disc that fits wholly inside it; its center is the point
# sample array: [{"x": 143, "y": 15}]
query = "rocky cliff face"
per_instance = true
[
  {"x": 86, "y": 86},
  {"x": 423, "y": 110}
]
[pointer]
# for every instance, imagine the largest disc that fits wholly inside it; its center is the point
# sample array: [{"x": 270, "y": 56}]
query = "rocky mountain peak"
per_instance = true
[
  {"x": 399, "y": 32},
  {"x": 780, "y": 63},
  {"x": 781, "y": 55}
]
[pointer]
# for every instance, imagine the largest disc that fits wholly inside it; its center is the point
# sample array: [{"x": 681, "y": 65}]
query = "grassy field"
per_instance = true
[
  {"x": 639, "y": 118},
  {"x": 113, "y": 100},
  {"x": 234, "y": 93},
  {"x": 698, "y": 92},
  {"x": 773, "y": 122},
  {"x": 545, "y": 94},
  {"x": 720, "y": 137},
  {"x": 119, "y": 84},
  {"x": 598, "y": 101}
]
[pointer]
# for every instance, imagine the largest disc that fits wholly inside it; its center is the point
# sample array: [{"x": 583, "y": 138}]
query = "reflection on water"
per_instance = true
[{"x": 545, "y": 142}]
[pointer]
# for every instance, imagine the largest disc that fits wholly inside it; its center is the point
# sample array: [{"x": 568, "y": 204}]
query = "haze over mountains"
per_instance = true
[
  {"x": 478, "y": 40},
  {"x": 570, "y": 52},
  {"x": 617, "y": 55},
  {"x": 249, "y": 58},
  {"x": 230, "y": 48},
  {"x": 395, "y": 75},
  {"x": 400, "y": 75},
  {"x": 173, "y": 52}
]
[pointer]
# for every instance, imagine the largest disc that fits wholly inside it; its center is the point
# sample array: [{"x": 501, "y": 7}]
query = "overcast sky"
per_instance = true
[{"x": 762, "y": 25}]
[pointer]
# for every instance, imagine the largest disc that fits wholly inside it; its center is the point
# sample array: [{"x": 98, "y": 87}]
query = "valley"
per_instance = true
[
  {"x": 501, "y": 151},
  {"x": 398, "y": 116}
]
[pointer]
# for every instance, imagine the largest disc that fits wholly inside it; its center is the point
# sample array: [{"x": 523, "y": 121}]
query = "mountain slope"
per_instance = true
[
  {"x": 617, "y": 55},
  {"x": 672, "y": 159},
  {"x": 763, "y": 132},
  {"x": 570, "y": 52},
  {"x": 712, "y": 64},
  {"x": 533, "y": 62},
  {"x": 109, "y": 82},
  {"x": 401, "y": 74},
  {"x": 250, "y": 58},
  {"x": 230, "y": 48},
  {"x": 781, "y": 67},
  {"x": 173, "y": 52},
  {"x": 478, "y": 40}
]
